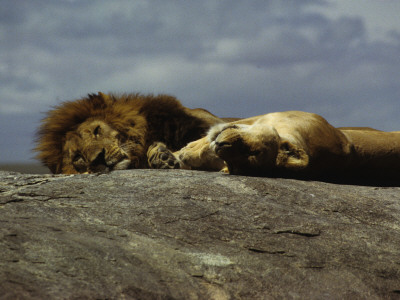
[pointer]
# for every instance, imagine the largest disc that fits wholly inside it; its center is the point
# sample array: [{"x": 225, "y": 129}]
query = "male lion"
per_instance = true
[
  {"x": 112, "y": 132},
  {"x": 293, "y": 143}
]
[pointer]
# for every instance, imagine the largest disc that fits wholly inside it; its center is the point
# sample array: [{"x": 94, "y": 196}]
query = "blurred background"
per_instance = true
[{"x": 337, "y": 58}]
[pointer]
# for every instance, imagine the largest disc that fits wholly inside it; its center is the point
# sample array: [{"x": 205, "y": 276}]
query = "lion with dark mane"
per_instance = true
[{"x": 111, "y": 132}]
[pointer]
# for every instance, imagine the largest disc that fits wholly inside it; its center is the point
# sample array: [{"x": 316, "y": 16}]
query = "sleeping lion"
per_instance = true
[
  {"x": 294, "y": 143},
  {"x": 114, "y": 132}
]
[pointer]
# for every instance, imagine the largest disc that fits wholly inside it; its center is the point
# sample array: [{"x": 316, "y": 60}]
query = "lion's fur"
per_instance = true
[
  {"x": 137, "y": 119},
  {"x": 293, "y": 142},
  {"x": 109, "y": 132},
  {"x": 375, "y": 149}
]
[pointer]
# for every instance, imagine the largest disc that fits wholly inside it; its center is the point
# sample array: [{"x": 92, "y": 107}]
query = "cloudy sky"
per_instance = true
[{"x": 338, "y": 58}]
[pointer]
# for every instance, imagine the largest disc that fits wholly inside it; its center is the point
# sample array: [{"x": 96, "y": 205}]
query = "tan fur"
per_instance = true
[
  {"x": 108, "y": 132},
  {"x": 292, "y": 142},
  {"x": 112, "y": 132},
  {"x": 375, "y": 149}
]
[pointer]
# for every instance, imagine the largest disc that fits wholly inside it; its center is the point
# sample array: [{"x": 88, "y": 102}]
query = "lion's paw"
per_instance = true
[
  {"x": 160, "y": 157},
  {"x": 190, "y": 156},
  {"x": 198, "y": 155},
  {"x": 227, "y": 138}
]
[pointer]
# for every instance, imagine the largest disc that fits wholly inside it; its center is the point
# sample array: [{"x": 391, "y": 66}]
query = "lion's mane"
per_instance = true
[{"x": 144, "y": 118}]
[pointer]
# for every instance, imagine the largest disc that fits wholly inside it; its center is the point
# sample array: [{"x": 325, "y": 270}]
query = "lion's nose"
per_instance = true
[{"x": 99, "y": 163}]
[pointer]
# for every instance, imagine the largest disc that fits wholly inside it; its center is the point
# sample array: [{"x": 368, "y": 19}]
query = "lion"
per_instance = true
[
  {"x": 105, "y": 132},
  {"x": 293, "y": 143}
]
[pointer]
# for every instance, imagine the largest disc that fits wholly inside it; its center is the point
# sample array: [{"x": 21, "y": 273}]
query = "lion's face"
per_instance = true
[{"x": 97, "y": 147}]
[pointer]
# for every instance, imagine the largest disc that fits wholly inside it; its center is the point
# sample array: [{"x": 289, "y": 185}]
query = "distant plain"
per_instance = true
[{"x": 26, "y": 168}]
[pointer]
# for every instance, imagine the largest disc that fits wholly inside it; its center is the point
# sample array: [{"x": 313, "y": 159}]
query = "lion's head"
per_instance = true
[
  {"x": 95, "y": 146},
  {"x": 97, "y": 133},
  {"x": 255, "y": 149}
]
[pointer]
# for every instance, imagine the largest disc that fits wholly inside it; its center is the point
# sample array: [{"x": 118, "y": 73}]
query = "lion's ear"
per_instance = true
[
  {"x": 104, "y": 96},
  {"x": 291, "y": 156}
]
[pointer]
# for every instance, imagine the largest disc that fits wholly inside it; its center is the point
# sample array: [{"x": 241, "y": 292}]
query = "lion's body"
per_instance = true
[
  {"x": 375, "y": 149},
  {"x": 108, "y": 132},
  {"x": 293, "y": 142}
]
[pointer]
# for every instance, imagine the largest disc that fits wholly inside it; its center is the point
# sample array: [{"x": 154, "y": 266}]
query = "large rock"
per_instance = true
[{"x": 157, "y": 234}]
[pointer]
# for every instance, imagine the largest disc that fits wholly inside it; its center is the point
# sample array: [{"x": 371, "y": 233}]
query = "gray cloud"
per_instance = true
[{"x": 235, "y": 58}]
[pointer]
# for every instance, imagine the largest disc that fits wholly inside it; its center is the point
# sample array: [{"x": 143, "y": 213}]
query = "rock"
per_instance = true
[{"x": 175, "y": 234}]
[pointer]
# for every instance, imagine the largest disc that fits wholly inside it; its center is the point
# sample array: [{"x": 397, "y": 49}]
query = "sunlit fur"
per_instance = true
[
  {"x": 293, "y": 142},
  {"x": 104, "y": 132}
]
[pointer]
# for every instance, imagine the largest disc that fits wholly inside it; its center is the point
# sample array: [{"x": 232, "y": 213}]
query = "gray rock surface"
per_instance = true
[{"x": 159, "y": 234}]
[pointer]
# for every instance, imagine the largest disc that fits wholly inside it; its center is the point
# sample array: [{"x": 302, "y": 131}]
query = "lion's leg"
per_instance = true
[
  {"x": 198, "y": 155},
  {"x": 160, "y": 157}
]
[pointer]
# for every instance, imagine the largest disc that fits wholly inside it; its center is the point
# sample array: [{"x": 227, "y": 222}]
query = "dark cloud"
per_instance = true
[{"x": 234, "y": 57}]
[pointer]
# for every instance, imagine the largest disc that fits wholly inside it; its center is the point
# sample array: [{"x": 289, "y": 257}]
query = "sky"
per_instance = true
[{"x": 337, "y": 58}]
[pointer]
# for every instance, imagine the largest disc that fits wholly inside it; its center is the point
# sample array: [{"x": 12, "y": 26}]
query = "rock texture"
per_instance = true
[{"x": 159, "y": 234}]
